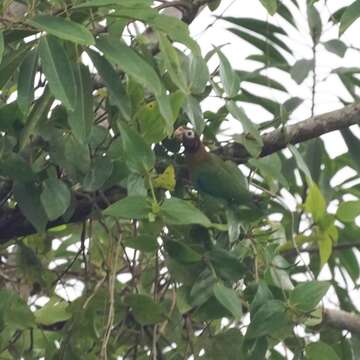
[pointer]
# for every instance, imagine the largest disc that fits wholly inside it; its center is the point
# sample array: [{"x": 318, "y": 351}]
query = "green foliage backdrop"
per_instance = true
[{"x": 95, "y": 199}]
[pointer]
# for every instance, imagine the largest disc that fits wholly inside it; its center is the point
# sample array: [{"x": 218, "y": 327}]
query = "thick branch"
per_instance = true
[
  {"x": 342, "y": 320},
  {"x": 297, "y": 133}
]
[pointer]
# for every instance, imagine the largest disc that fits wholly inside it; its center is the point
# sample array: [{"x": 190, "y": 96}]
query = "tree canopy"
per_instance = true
[{"x": 107, "y": 249}]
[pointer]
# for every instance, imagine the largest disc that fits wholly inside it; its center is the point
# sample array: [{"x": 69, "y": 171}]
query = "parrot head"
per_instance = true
[{"x": 189, "y": 139}]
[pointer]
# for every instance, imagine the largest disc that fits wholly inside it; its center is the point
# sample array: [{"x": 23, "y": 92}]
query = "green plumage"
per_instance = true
[{"x": 220, "y": 179}]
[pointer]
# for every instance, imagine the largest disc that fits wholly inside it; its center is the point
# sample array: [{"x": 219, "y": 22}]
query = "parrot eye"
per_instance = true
[{"x": 190, "y": 134}]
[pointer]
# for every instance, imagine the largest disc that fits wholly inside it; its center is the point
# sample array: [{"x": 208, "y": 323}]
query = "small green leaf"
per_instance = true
[
  {"x": 320, "y": 351},
  {"x": 180, "y": 212},
  {"x": 270, "y": 318},
  {"x": 306, "y": 296},
  {"x": 103, "y": 3},
  {"x": 58, "y": 71},
  {"x": 198, "y": 74},
  {"x": 100, "y": 170},
  {"x": 348, "y": 211},
  {"x": 301, "y": 69},
  {"x": 336, "y": 46},
  {"x": 146, "y": 243},
  {"x": 325, "y": 247},
  {"x": 228, "y": 76},
  {"x": 270, "y": 6},
  {"x": 14, "y": 312},
  {"x": 81, "y": 119},
  {"x": 28, "y": 198},
  {"x": 131, "y": 207},
  {"x": 25, "y": 87},
  {"x": 229, "y": 299},
  {"x": 172, "y": 63},
  {"x": 181, "y": 252},
  {"x": 63, "y": 29},
  {"x": 315, "y": 203},
  {"x": 55, "y": 197},
  {"x": 134, "y": 65},
  {"x": 55, "y": 310},
  {"x": 193, "y": 110},
  {"x": 138, "y": 154},
  {"x": 350, "y": 14},
  {"x": 314, "y": 21},
  {"x": 145, "y": 310},
  {"x": 118, "y": 96}
]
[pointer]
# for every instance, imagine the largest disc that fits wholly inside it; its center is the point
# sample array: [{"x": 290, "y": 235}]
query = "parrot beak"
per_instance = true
[{"x": 179, "y": 133}]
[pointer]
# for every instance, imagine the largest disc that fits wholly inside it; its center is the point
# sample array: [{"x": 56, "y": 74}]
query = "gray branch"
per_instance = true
[
  {"x": 342, "y": 320},
  {"x": 294, "y": 134}
]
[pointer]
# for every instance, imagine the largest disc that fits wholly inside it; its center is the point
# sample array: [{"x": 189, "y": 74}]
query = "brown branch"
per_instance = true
[
  {"x": 342, "y": 320},
  {"x": 297, "y": 133}
]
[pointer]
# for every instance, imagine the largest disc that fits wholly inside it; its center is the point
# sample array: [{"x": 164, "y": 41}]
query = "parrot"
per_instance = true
[{"x": 210, "y": 174}]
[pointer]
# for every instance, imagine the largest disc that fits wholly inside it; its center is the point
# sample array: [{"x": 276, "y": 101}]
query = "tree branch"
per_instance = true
[
  {"x": 342, "y": 320},
  {"x": 294, "y": 134}
]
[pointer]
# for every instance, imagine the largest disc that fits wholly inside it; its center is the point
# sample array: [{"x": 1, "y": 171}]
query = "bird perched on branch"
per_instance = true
[{"x": 212, "y": 175}]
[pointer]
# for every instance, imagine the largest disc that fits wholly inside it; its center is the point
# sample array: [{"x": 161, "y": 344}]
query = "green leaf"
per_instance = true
[
  {"x": 229, "y": 299},
  {"x": 270, "y": 6},
  {"x": 58, "y": 71},
  {"x": 25, "y": 86},
  {"x": 271, "y": 317},
  {"x": 301, "y": 163},
  {"x": 198, "y": 74},
  {"x": 228, "y": 76},
  {"x": 28, "y": 199},
  {"x": 181, "y": 252},
  {"x": 180, "y": 212},
  {"x": 336, "y": 46},
  {"x": 2, "y": 45},
  {"x": 14, "y": 312},
  {"x": 63, "y": 29},
  {"x": 172, "y": 63},
  {"x": 315, "y": 203},
  {"x": 145, "y": 310},
  {"x": 15, "y": 167},
  {"x": 320, "y": 351},
  {"x": 301, "y": 69},
  {"x": 138, "y": 154},
  {"x": 348, "y": 211},
  {"x": 118, "y": 96},
  {"x": 193, "y": 110},
  {"x": 55, "y": 197},
  {"x": 225, "y": 344},
  {"x": 100, "y": 170},
  {"x": 350, "y": 14},
  {"x": 202, "y": 289},
  {"x": 353, "y": 144},
  {"x": 55, "y": 310},
  {"x": 135, "y": 66},
  {"x": 314, "y": 22},
  {"x": 82, "y": 117},
  {"x": 325, "y": 247},
  {"x": 10, "y": 63},
  {"x": 306, "y": 296},
  {"x": 103, "y": 3},
  {"x": 144, "y": 242},
  {"x": 131, "y": 207}
]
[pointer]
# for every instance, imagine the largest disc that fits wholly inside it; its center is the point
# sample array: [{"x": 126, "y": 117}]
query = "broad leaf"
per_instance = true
[
  {"x": 306, "y": 296},
  {"x": 229, "y": 299},
  {"x": 55, "y": 197},
  {"x": 180, "y": 212},
  {"x": 81, "y": 119},
  {"x": 63, "y": 29},
  {"x": 350, "y": 14},
  {"x": 131, "y": 207},
  {"x": 58, "y": 71}
]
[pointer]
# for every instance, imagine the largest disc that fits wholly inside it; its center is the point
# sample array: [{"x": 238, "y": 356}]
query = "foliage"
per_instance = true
[{"x": 106, "y": 217}]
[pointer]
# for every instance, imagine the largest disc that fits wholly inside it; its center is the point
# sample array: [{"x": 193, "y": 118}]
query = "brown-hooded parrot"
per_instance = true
[{"x": 212, "y": 175}]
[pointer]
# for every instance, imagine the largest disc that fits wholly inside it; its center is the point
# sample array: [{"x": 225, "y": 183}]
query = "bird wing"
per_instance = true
[{"x": 220, "y": 179}]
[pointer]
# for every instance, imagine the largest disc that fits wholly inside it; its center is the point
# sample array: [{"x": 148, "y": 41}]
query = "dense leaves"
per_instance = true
[{"x": 107, "y": 248}]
